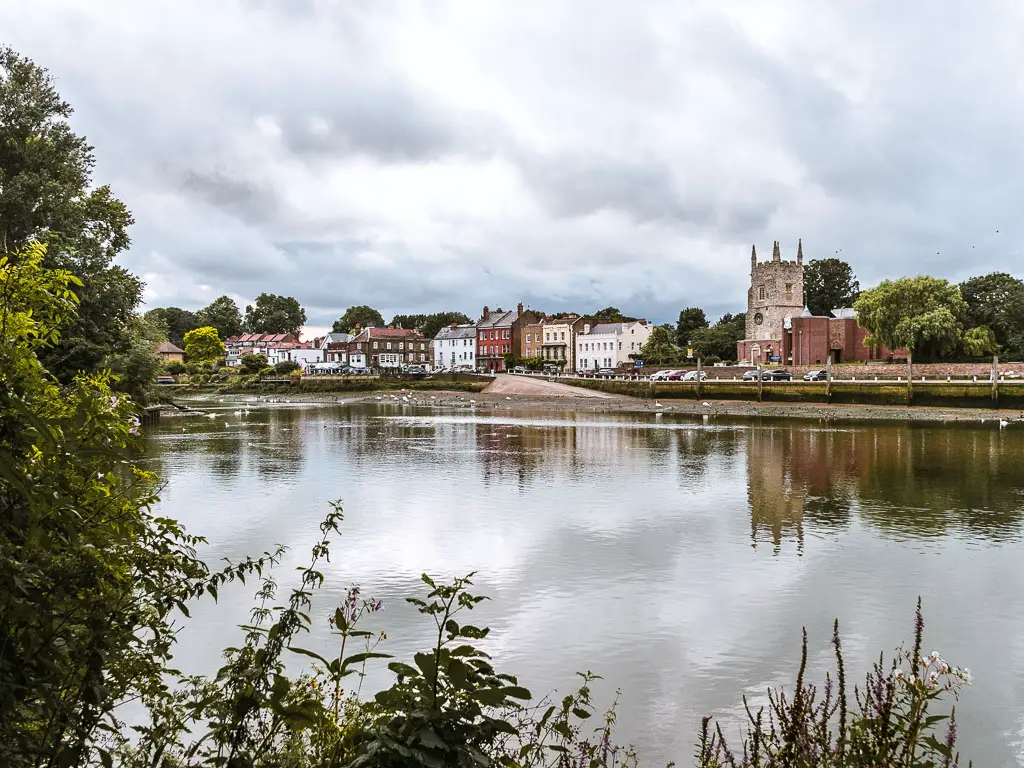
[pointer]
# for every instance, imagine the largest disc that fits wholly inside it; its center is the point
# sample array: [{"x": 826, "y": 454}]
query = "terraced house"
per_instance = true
[
  {"x": 384, "y": 348},
  {"x": 498, "y": 333}
]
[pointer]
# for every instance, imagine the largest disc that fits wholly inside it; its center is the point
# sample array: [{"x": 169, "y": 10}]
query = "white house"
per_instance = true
[
  {"x": 335, "y": 347},
  {"x": 305, "y": 356},
  {"x": 609, "y": 345},
  {"x": 455, "y": 345}
]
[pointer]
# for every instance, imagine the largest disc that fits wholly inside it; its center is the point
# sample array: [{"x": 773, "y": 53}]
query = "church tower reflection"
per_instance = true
[{"x": 776, "y": 497}]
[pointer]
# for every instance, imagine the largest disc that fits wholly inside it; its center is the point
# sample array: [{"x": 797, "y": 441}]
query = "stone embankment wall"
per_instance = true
[
  {"x": 934, "y": 393},
  {"x": 868, "y": 372}
]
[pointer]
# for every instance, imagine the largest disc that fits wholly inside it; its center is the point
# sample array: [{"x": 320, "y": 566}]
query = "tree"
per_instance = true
[
  {"x": 46, "y": 195},
  {"x": 222, "y": 313},
  {"x": 690, "y": 319},
  {"x": 435, "y": 322},
  {"x": 720, "y": 340},
  {"x": 275, "y": 314},
  {"x": 203, "y": 345},
  {"x": 659, "y": 349},
  {"x": 996, "y": 301},
  {"x": 358, "y": 317},
  {"x": 980, "y": 341},
  {"x": 923, "y": 315},
  {"x": 253, "y": 363},
  {"x": 829, "y": 284},
  {"x": 610, "y": 315},
  {"x": 174, "y": 322},
  {"x": 137, "y": 366}
]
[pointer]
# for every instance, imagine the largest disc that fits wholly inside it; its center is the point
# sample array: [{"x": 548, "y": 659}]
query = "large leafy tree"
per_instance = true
[
  {"x": 830, "y": 284},
  {"x": 924, "y": 315},
  {"x": 610, "y": 315},
  {"x": 203, "y": 345},
  {"x": 47, "y": 195},
  {"x": 996, "y": 301},
  {"x": 174, "y": 322},
  {"x": 222, "y": 313},
  {"x": 430, "y": 324},
  {"x": 720, "y": 339},
  {"x": 690, "y": 319},
  {"x": 659, "y": 349},
  {"x": 361, "y": 316},
  {"x": 274, "y": 314}
]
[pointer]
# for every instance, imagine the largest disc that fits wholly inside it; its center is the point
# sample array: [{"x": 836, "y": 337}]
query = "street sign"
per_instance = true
[{"x": 638, "y": 364}]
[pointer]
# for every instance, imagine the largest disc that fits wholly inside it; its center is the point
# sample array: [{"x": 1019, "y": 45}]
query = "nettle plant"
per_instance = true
[{"x": 890, "y": 723}]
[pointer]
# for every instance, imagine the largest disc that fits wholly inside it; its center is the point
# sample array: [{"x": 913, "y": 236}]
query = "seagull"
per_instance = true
[
  {"x": 238, "y": 413},
  {"x": 657, "y": 404},
  {"x": 706, "y": 404},
  {"x": 1003, "y": 423}
]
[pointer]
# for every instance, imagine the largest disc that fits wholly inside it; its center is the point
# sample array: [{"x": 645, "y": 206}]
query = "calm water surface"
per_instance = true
[{"x": 677, "y": 558}]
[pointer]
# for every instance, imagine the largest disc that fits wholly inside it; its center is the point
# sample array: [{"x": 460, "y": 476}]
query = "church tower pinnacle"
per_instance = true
[
  {"x": 753, "y": 258},
  {"x": 776, "y": 253},
  {"x": 800, "y": 251}
]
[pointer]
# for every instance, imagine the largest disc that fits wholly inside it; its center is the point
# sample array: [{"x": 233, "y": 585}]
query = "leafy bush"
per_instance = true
[
  {"x": 253, "y": 363},
  {"x": 175, "y": 368},
  {"x": 286, "y": 366}
]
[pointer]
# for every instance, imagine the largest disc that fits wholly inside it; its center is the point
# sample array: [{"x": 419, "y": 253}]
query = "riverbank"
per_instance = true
[{"x": 739, "y": 409}]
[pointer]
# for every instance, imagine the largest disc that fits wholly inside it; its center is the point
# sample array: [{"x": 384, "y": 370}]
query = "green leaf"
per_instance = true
[
  {"x": 582, "y": 714},
  {"x": 517, "y": 692},
  {"x": 403, "y": 669},
  {"x": 311, "y": 654},
  {"x": 491, "y": 696},
  {"x": 474, "y": 632},
  {"x": 359, "y": 658}
]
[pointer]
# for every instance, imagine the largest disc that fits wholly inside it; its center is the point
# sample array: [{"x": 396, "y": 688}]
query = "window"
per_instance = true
[
  {"x": 375, "y": 345},
  {"x": 423, "y": 357},
  {"x": 389, "y": 345},
  {"x": 563, "y": 335},
  {"x": 789, "y": 288},
  {"x": 527, "y": 338},
  {"x": 760, "y": 292},
  {"x": 401, "y": 345},
  {"x": 547, "y": 337},
  {"x": 422, "y": 346},
  {"x": 411, "y": 356}
]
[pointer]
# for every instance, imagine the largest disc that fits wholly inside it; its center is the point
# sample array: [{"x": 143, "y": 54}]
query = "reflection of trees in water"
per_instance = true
[
  {"x": 916, "y": 480},
  {"x": 275, "y": 440}
]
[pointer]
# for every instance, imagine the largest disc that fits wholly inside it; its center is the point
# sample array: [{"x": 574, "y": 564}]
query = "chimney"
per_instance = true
[
  {"x": 776, "y": 253},
  {"x": 519, "y": 308},
  {"x": 800, "y": 251},
  {"x": 753, "y": 258},
  {"x": 487, "y": 312},
  {"x": 586, "y": 328},
  {"x": 455, "y": 325}
]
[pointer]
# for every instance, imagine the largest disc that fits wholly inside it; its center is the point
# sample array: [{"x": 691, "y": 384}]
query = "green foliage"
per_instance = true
[
  {"x": 174, "y": 323},
  {"x": 253, "y": 363},
  {"x": 361, "y": 316},
  {"x": 996, "y": 301},
  {"x": 46, "y": 195},
  {"x": 980, "y": 341},
  {"x": 719, "y": 341},
  {"x": 829, "y": 284},
  {"x": 175, "y": 368},
  {"x": 430, "y": 324},
  {"x": 286, "y": 366},
  {"x": 203, "y": 345},
  {"x": 888, "y": 722},
  {"x": 610, "y": 315},
  {"x": 274, "y": 314},
  {"x": 690, "y": 319},
  {"x": 921, "y": 314},
  {"x": 659, "y": 349},
  {"x": 222, "y": 313},
  {"x": 137, "y": 366}
]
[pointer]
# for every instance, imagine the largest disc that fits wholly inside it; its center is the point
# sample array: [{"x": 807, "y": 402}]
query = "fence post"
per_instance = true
[
  {"x": 910, "y": 377},
  {"x": 760, "y": 383},
  {"x": 828, "y": 379},
  {"x": 698, "y": 378},
  {"x": 995, "y": 381}
]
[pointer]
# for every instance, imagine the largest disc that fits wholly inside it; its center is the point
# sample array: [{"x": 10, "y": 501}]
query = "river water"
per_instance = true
[{"x": 677, "y": 557}]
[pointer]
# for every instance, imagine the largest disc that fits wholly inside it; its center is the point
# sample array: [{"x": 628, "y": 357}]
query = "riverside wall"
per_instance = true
[{"x": 1008, "y": 394}]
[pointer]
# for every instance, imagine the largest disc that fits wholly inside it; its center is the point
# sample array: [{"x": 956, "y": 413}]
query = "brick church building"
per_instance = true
[{"x": 782, "y": 331}]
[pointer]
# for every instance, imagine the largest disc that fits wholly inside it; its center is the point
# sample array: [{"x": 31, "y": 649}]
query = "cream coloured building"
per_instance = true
[{"x": 609, "y": 345}]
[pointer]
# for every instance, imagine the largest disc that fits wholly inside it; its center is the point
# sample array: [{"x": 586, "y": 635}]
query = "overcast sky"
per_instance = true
[{"x": 571, "y": 155}]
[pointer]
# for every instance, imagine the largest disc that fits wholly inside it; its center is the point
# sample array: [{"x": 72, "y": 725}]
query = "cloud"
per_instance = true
[{"x": 572, "y": 155}]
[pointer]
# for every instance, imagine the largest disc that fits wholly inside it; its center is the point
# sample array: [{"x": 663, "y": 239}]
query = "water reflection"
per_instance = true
[{"x": 677, "y": 557}]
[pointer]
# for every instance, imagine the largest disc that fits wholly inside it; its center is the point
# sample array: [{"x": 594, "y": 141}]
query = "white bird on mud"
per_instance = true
[
  {"x": 1003, "y": 423},
  {"x": 706, "y": 404},
  {"x": 238, "y": 413}
]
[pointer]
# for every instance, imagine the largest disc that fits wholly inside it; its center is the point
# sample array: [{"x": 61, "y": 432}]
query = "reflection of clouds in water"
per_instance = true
[{"x": 664, "y": 556}]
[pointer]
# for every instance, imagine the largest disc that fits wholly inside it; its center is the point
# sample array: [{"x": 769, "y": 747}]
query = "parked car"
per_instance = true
[
  {"x": 816, "y": 376},
  {"x": 663, "y": 375},
  {"x": 777, "y": 375},
  {"x": 164, "y": 379},
  {"x": 694, "y": 376},
  {"x": 606, "y": 372},
  {"x": 414, "y": 369},
  {"x": 519, "y": 369},
  {"x": 750, "y": 376}
]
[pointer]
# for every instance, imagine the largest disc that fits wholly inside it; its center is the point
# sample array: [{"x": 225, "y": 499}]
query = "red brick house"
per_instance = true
[
  {"x": 813, "y": 339},
  {"x": 500, "y": 332},
  {"x": 382, "y": 348}
]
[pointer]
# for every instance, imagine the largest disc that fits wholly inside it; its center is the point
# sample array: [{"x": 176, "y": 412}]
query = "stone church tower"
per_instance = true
[{"x": 776, "y": 293}]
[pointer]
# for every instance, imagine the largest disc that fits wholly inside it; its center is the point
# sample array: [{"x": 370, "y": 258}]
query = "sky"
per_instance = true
[{"x": 572, "y": 155}]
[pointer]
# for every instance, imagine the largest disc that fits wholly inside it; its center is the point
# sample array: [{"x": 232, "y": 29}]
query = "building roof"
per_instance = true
[
  {"x": 458, "y": 332},
  {"x": 166, "y": 348},
  {"x": 386, "y": 333},
  {"x": 607, "y": 327},
  {"x": 498, "y": 320}
]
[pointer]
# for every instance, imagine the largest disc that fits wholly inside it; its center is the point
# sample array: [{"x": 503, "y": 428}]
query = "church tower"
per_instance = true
[{"x": 776, "y": 294}]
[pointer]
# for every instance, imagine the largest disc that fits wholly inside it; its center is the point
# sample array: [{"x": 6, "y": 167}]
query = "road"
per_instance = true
[{"x": 505, "y": 384}]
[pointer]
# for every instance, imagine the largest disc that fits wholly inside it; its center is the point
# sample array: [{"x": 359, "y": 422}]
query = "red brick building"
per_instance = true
[
  {"x": 812, "y": 340},
  {"x": 498, "y": 333}
]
